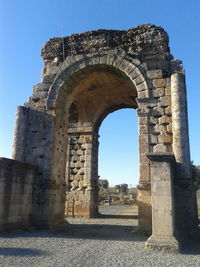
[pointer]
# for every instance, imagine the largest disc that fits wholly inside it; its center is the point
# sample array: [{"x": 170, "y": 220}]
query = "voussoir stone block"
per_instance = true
[
  {"x": 143, "y": 87},
  {"x": 139, "y": 79},
  {"x": 143, "y": 94},
  {"x": 129, "y": 68}
]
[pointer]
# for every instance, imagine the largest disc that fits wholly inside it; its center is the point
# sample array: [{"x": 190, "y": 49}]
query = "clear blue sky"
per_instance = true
[{"x": 26, "y": 25}]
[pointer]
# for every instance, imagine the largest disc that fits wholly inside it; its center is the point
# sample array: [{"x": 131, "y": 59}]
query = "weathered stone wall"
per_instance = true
[
  {"x": 16, "y": 188},
  {"x": 32, "y": 138},
  {"x": 82, "y": 171},
  {"x": 33, "y": 142}
]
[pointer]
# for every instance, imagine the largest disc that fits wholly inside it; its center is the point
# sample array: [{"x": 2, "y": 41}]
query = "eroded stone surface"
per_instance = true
[{"x": 138, "y": 40}]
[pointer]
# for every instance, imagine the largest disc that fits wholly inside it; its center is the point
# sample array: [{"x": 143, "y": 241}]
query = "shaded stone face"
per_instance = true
[
  {"x": 16, "y": 186},
  {"x": 85, "y": 77}
]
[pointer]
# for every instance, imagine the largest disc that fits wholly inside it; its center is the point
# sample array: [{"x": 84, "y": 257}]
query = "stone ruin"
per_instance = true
[{"x": 55, "y": 152}]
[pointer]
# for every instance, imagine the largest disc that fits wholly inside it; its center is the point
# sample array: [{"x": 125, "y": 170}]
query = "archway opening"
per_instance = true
[
  {"x": 99, "y": 90},
  {"x": 118, "y": 164}
]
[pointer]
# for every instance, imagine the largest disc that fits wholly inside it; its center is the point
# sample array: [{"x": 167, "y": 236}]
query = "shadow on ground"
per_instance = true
[
  {"x": 21, "y": 252},
  {"x": 83, "y": 231},
  {"x": 191, "y": 248},
  {"x": 116, "y": 216},
  {"x": 102, "y": 232},
  {"x": 86, "y": 231}
]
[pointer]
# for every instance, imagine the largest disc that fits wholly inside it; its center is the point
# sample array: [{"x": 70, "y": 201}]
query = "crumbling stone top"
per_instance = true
[{"x": 143, "y": 39}]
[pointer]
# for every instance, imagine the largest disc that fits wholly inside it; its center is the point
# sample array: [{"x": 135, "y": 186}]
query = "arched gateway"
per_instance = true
[{"x": 85, "y": 77}]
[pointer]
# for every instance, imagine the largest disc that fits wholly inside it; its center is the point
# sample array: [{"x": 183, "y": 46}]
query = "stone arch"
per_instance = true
[
  {"x": 113, "y": 58},
  {"x": 138, "y": 60},
  {"x": 63, "y": 88}
]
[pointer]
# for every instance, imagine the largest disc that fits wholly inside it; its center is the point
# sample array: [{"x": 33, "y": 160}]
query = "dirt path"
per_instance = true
[
  {"x": 115, "y": 222},
  {"x": 119, "y": 214}
]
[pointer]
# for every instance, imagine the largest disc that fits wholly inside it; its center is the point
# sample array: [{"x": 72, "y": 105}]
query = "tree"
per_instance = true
[
  {"x": 122, "y": 188},
  {"x": 103, "y": 183}
]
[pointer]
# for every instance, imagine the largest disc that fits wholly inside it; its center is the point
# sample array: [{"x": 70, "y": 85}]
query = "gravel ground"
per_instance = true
[{"x": 105, "y": 241}]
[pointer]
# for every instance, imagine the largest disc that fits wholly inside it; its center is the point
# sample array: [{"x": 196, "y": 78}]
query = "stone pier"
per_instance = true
[{"x": 162, "y": 196}]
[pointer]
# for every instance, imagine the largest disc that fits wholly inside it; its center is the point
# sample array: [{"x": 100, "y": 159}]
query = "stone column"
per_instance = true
[
  {"x": 94, "y": 203},
  {"x": 180, "y": 126},
  {"x": 19, "y": 142},
  {"x": 185, "y": 200},
  {"x": 163, "y": 219}
]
